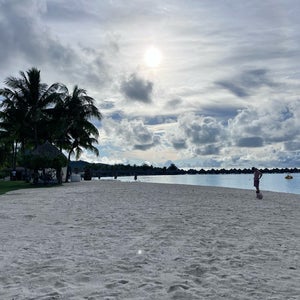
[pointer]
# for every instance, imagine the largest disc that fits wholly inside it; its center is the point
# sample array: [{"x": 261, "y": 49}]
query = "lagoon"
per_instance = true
[{"x": 269, "y": 182}]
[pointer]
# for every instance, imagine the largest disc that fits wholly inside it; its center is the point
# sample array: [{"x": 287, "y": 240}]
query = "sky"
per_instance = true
[{"x": 197, "y": 83}]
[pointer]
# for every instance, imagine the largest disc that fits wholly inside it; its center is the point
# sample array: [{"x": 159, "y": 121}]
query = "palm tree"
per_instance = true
[
  {"x": 73, "y": 114},
  {"x": 26, "y": 101},
  {"x": 7, "y": 152},
  {"x": 33, "y": 113},
  {"x": 24, "y": 111}
]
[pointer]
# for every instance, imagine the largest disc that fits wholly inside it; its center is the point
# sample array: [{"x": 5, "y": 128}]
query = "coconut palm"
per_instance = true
[
  {"x": 73, "y": 115},
  {"x": 24, "y": 108},
  {"x": 32, "y": 113},
  {"x": 29, "y": 98}
]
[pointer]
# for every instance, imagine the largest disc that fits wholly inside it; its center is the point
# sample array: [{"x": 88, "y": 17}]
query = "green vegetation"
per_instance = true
[
  {"x": 6, "y": 186},
  {"x": 33, "y": 113}
]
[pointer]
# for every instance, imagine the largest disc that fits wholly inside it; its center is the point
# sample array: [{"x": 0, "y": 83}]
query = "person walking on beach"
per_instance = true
[{"x": 257, "y": 176}]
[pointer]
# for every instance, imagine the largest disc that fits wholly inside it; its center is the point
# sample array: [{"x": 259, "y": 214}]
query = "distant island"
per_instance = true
[{"x": 106, "y": 170}]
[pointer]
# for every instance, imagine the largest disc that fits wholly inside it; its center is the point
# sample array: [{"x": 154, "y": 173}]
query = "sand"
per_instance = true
[{"x": 132, "y": 240}]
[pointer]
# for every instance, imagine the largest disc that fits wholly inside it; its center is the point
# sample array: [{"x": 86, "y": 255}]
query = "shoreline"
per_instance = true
[
  {"x": 269, "y": 182},
  {"x": 192, "y": 185},
  {"x": 247, "y": 191}
]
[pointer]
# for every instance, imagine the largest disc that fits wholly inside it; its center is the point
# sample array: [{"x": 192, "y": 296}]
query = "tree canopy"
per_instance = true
[{"x": 32, "y": 112}]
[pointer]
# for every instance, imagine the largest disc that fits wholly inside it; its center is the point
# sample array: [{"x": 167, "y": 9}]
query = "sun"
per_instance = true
[{"x": 152, "y": 57}]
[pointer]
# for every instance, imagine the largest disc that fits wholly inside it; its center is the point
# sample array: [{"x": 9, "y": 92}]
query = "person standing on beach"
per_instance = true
[{"x": 257, "y": 176}]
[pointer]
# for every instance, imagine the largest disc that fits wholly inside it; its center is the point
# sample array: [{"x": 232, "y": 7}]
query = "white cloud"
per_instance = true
[
  {"x": 272, "y": 122},
  {"x": 202, "y": 135},
  {"x": 129, "y": 135}
]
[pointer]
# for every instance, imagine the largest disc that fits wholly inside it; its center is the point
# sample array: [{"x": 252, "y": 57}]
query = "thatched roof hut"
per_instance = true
[
  {"x": 48, "y": 156},
  {"x": 47, "y": 150}
]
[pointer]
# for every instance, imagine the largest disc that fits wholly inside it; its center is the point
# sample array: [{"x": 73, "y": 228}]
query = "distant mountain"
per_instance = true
[{"x": 79, "y": 164}]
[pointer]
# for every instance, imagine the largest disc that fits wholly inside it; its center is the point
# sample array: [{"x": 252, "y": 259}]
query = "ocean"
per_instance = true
[{"x": 269, "y": 182}]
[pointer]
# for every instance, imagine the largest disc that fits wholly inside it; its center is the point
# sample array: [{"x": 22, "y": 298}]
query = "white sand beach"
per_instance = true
[{"x": 132, "y": 240}]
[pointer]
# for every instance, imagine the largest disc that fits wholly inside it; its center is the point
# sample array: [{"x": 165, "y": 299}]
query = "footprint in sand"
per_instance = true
[{"x": 176, "y": 287}]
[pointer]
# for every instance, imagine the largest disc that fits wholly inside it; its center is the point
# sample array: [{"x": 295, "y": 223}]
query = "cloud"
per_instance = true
[
  {"x": 247, "y": 82},
  {"x": 29, "y": 40},
  {"x": 138, "y": 89},
  {"x": 200, "y": 130},
  {"x": 131, "y": 134},
  {"x": 71, "y": 11},
  {"x": 233, "y": 88},
  {"x": 155, "y": 140},
  {"x": 224, "y": 111},
  {"x": 160, "y": 119},
  {"x": 201, "y": 135},
  {"x": 271, "y": 122},
  {"x": 17, "y": 29},
  {"x": 254, "y": 141},
  {"x": 106, "y": 105},
  {"x": 210, "y": 149},
  {"x": 179, "y": 143},
  {"x": 292, "y": 146},
  {"x": 226, "y": 92},
  {"x": 174, "y": 103}
]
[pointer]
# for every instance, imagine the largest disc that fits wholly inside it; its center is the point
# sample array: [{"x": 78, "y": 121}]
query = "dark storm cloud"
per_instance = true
[
  {"x": 247, "y": 82},
  {"x": 138, "y": 89},
  {"x": 250, "y": 142}
]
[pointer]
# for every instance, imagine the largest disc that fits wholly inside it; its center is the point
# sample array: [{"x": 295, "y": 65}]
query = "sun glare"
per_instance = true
[{"x": 152, "y": 57}]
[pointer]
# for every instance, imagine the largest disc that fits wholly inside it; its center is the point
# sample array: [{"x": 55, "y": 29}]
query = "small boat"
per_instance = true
[{"x": 288, "y": 177}]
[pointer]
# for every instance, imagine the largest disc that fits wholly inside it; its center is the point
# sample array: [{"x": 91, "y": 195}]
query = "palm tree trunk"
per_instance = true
[
  {"x": 35, "y": 135},
  {"x": 68, "y": 166},
  {"x": 59, "y": 175}
]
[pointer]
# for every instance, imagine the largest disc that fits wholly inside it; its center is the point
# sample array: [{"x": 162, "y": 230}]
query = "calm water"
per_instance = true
[{"x": 269, "y": 182}]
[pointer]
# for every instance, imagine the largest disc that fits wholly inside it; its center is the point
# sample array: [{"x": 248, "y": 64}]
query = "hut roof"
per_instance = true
[{"x": 47, "y": 149}]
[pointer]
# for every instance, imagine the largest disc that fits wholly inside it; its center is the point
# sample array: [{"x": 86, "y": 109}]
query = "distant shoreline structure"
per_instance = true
[{"x": 106, "y": 170}]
